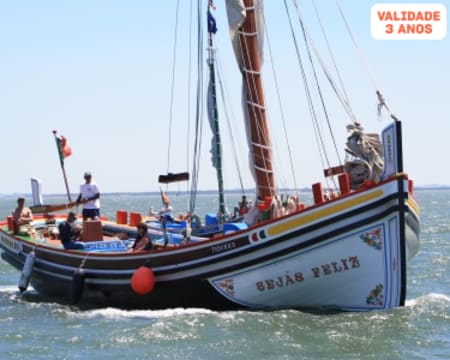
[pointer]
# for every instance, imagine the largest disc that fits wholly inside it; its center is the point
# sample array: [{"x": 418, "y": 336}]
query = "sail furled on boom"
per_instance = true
[
  {"x": 213, "y": 114},
  {"x": 246, "y": 25},
  {"x": 211, "y": 100},
  {"x": 211, "y": 106}
]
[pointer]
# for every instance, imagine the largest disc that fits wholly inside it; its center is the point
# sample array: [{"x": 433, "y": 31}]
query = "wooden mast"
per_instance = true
[{"x": 258, "y": 127}]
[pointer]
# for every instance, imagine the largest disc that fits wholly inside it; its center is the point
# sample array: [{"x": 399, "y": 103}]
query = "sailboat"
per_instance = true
[{"x": 347, "y": 251}]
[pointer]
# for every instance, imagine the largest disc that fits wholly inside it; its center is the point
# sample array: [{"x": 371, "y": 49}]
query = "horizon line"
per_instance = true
[{"x": 208, "y": 191}]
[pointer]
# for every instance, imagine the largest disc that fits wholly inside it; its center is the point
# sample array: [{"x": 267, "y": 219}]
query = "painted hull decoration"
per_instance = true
[
  {"x": 346, "y": 251},
  {"x": 305, "y": 275}
]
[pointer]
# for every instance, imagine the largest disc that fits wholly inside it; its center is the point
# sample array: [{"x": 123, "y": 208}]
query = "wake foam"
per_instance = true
[
  {"x": 9, "y": 289},
  {"x": 113, "y": 313},
  {"x": 431, "y": 298}
]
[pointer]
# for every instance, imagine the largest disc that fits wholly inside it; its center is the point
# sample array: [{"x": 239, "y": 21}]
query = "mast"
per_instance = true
[
  {"x": 257, "y": 128},
  {"x": 213, "y": 114}
]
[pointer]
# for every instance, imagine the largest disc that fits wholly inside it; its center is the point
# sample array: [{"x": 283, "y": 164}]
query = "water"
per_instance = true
[{"x": 32, "y": 327}]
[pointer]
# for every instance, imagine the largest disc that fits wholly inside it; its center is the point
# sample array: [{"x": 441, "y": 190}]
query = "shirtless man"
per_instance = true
[{"x": 22, "y": 216}]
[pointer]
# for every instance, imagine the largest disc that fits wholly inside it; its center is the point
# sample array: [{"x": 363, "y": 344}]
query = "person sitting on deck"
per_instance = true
[
  {"x": 244, "y": 206},
  {"x": 291, "y": 205},
  {"x": 143, "y": 241},
  {"x": 22, "y": 216},
  {"x": 70, "y": 232},
  {"x": 166, "y": 210}
]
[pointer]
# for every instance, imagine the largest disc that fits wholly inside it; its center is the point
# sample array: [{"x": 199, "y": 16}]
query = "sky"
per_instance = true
[{"x": 100, "y": 73}]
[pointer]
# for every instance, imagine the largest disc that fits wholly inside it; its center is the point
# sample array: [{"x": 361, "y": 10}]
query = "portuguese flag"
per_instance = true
[{"x": 63, "y": 147}]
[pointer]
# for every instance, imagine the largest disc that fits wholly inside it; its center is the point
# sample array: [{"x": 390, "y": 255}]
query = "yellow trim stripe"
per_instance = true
[
  {"x": 280, "y": 228},
  {"x": 413, "y": 205}
]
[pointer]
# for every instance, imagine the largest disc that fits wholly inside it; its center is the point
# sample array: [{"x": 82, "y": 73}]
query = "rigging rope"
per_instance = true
[
  {"x": 319, "y": 90},
  {"x": 363, "y": 59},
  {"x": 199, "y": 110},
  {"x": 223, "y": 94},
  {"x": 312, "y": 111},
  {"x": 188, "y": 143},
  {"x": 173, "y": 84},
  {"x": 330, "y": 51},
  {"x": 328, "y": 76},
  {"x": 355, "y": 42},
  {"x": 283, "y": 118}
]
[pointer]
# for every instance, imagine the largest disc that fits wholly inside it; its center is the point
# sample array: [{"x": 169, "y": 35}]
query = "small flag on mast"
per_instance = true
[
  {"x": 212, "y": 26},
  {"x": 63, "y": 147},
  {"x": 64, "y": 151}
]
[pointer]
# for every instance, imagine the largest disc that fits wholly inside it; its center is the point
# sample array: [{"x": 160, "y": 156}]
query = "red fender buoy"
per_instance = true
[{"x": 143, "y": 280}]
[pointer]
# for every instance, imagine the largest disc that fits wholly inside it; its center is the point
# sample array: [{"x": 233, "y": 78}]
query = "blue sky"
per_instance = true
[{"x": 100, "y": 73}]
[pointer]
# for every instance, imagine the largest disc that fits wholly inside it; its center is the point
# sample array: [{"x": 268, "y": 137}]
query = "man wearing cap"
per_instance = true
[
  {"x": 22, "y": 216},
  {"x": 90, "y": 198}
]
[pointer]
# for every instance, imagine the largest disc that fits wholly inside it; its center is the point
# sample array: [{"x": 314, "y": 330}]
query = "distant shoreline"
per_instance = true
[{"x": 210, "y": 192}]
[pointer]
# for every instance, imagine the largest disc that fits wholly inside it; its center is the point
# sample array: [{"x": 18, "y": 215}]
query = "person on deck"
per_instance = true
[
  {"x": 22, "y": 216},
  {"x": 70, "y": 233},
  {"x": 166, "y": 209},
  {"x": 90, "y": 198},
  {"x": 244, "y": 206},
  {"x": 143, "y": 241}
]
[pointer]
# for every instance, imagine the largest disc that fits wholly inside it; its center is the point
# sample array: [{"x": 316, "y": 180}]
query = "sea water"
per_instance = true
[{"x": 33, "y": 327}]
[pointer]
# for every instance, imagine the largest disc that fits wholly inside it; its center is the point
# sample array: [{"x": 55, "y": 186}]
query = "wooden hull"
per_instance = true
[{"x": 347, "y": 254}]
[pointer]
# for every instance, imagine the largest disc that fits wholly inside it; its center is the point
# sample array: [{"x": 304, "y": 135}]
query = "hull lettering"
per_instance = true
[
  {"x": 352, "y": 262},
  {"x": 279, "y": 282},
  {"x": 11, "y": 244},
  {"x": 223, "y": 247}
]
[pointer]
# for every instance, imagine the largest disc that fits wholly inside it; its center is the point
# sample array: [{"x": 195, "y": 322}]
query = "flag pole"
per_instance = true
[{"x": 61, "y": 159}]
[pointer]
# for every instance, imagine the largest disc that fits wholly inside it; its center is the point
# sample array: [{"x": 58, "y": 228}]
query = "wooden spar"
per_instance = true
[
  {"x": 52, "y": 208},
  {"x": 171, "y": 177},
  {"x": 259, "y": 130}
]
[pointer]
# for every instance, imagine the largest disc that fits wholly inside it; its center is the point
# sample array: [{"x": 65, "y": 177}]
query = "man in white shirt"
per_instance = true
[{"x": 90, "y": 198}]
